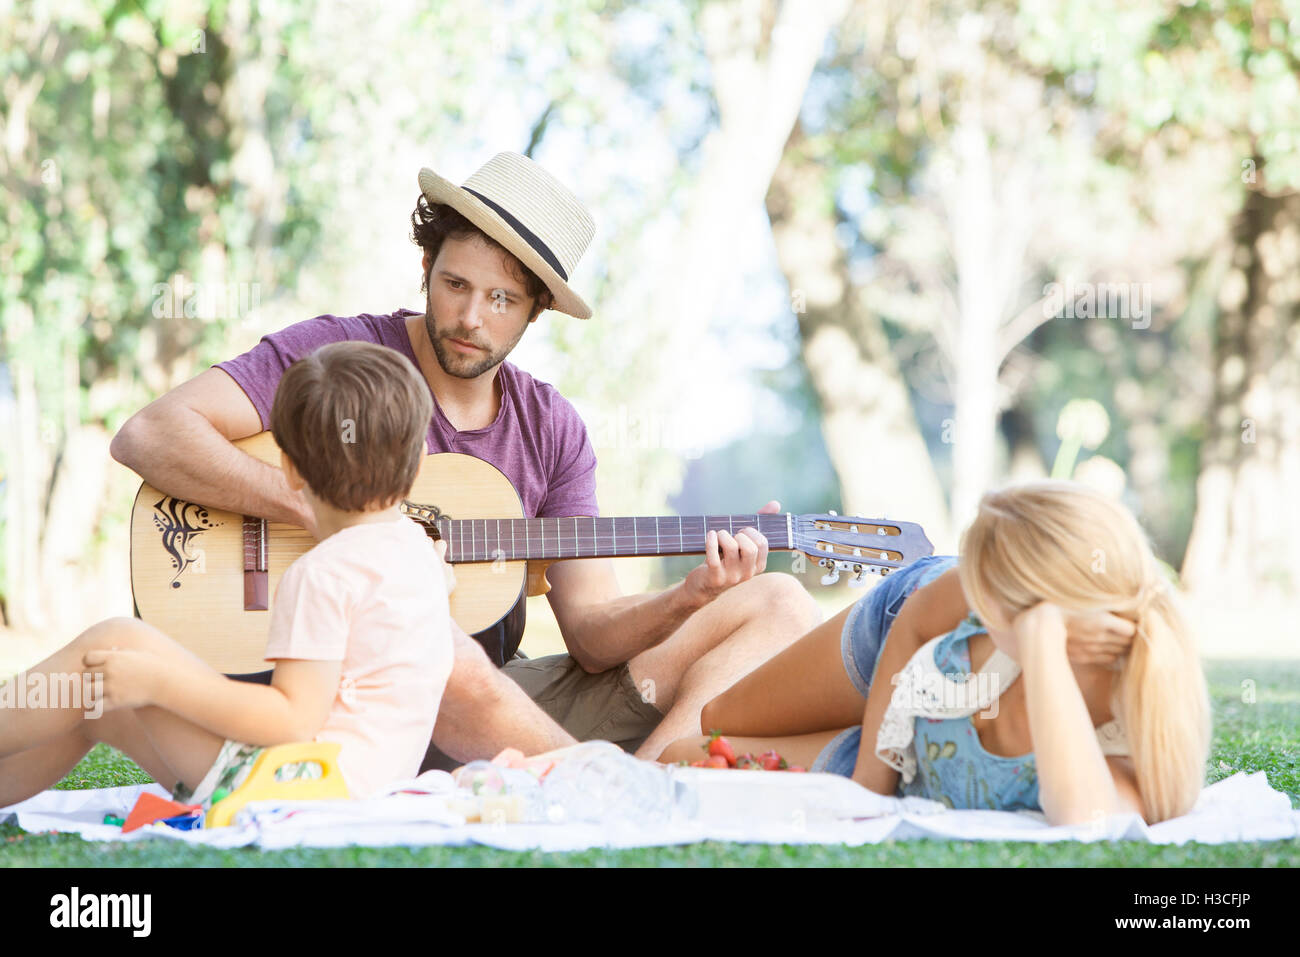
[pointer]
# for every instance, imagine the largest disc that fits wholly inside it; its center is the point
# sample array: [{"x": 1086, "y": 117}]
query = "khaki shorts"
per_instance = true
[{"x": 605, "y": 706}]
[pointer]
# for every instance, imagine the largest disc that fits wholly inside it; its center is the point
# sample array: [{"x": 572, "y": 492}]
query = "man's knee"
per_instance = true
[{"x": 783, "y": 596}]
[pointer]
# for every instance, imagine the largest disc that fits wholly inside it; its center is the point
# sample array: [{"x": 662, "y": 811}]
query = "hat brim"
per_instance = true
[{"x": 438, "y": 190}]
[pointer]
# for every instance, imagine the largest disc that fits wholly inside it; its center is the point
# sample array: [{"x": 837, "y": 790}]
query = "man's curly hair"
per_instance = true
[{"x": 431, "y": 223}]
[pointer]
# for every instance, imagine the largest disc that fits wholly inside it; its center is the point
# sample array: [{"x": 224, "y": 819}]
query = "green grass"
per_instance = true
[{"x": 1262, "y": 734}]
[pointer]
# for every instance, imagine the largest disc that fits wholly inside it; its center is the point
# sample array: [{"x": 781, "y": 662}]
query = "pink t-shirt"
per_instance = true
[{"x": 372, "y": 596}]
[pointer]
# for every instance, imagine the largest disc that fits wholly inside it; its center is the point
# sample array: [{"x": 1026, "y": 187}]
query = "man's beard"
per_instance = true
[{"x": 458, "y": 364}]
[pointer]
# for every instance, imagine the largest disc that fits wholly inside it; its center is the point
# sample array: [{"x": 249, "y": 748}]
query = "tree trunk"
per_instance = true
[
  {"x": 1245, "y": 542},
  {"x": 870, "y": 429},
  {"x": 762, "y": 55}
]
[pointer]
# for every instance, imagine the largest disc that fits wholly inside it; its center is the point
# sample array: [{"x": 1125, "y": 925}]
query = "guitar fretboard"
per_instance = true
[{"x": 517, "y": 539}]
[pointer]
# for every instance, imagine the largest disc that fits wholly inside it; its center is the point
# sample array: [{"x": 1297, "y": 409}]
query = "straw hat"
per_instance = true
[{"x": 530, "y": 213}]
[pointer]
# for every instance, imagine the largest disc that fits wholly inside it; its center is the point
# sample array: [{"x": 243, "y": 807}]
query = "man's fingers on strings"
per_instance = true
[
  {"x": 712, "y": 557},
  {"x": 729, "y": 546},
  {"x": 748, "y": 549},
  {"x": 760, "y": 548}
]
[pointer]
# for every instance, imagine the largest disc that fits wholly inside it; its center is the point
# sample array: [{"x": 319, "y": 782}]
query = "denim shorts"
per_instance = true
[{"x": 864, "y": 635}]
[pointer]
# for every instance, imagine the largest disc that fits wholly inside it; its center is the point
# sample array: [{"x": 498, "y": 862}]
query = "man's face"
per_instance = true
[{"x": 476, "y": 310}]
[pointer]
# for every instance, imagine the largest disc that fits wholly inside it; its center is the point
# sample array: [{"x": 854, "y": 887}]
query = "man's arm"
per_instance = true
[
  {"x": 181, "y": 444},
  {"x": 483, "y": 711},
  {"x": 603, "y": 628}
]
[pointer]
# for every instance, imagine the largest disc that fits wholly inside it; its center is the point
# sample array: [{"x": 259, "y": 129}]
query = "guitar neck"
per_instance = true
[{"x": 535, "y": 539}]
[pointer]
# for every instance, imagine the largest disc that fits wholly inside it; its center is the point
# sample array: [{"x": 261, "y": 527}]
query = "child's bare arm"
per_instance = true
[
  {"x": 293, "y": 707},
  {"x": 934, "y": 609}
]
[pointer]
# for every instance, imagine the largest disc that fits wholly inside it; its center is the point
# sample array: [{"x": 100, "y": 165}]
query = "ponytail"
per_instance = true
[{"x": 1164, "y": 707}]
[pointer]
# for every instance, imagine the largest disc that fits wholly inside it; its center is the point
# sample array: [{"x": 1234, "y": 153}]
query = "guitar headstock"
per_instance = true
[
  {"x": 859, "y": 545},
  {"x": 426, "y": 515}
]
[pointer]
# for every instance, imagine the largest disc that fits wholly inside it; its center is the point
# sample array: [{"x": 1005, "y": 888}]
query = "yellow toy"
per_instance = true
[{"x": 261, "y": 784}]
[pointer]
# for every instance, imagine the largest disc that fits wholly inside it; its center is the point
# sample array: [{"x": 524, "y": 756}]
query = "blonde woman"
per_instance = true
[{"x": 1003, "y": 679}]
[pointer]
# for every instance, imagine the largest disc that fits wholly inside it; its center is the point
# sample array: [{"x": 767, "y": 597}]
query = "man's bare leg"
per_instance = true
[{"x": 717, "y": 646}]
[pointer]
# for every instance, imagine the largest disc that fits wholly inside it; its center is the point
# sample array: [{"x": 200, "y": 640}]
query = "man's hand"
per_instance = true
[
  {"x": 729, "y": 560},
  {"x": 1097, "y": 638},
  {"x": 128, "y": 676}
]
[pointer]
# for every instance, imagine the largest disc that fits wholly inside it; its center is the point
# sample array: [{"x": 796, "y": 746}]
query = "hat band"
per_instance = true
[{"x": 526, "y": 234}]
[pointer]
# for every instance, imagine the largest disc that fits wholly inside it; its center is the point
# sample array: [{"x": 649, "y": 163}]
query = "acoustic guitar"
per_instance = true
[{"x": 206, "y": 577}]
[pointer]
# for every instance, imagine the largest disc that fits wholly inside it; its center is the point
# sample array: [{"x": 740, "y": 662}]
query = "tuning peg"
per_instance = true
[
  {"x": 859, "y": 578},
  {"x": 833, "y": 572}
]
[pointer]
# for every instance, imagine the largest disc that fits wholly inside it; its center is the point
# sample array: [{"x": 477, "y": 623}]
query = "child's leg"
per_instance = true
[
  {"x": 803, "y": 689},
  {"x": 167, "y": 747},
  {"x": 22, "y": 728},
  {"x": 801, "y": 749},
  {"x": 30, "y": 772}
]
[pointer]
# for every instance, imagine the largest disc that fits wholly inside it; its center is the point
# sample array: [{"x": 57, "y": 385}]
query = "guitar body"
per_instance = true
[{"x": 187, "y": 561}]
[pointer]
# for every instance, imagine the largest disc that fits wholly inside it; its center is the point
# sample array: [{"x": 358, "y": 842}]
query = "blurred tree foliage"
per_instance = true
[
  {"x": 138, "y": 145},
  {"x": 1212, "y": 87}
]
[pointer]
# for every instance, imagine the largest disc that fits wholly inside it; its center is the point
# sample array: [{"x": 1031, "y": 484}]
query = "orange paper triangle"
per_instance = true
[{"x": 150, "y": 807}]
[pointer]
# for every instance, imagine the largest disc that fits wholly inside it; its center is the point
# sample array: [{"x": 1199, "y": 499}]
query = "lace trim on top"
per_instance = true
[{"x": 921, "y": 690}]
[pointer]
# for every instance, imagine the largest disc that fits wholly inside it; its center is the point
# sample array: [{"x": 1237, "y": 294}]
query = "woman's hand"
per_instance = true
[
  {"x": 127, "y": 677},
  {"x": 1097, "y": 638},
  {"x": 1043, "y": 623}
]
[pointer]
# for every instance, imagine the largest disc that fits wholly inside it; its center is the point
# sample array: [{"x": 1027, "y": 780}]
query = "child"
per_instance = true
[
  {"x": 1038, "y": 725},
  {"x": 360, "y": 629}
]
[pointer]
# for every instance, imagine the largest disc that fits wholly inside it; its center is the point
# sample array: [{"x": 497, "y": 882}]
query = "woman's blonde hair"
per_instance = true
[{"x": 1067, "y": 544}]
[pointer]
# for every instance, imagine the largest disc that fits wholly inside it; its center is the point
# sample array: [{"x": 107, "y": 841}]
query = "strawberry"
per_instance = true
[
  {"x": 697, "y": 764},
  {"x": 719, "y": 746},
  {"x": 716, "y": 761},
  {"x": 747, "y": 762},
  {"x": 796, "y": 767},
  {"x": 772, "y": 761}
]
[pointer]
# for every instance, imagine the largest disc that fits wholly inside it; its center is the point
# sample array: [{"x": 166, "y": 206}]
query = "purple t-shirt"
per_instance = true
[{"x": 538, "y": 440}]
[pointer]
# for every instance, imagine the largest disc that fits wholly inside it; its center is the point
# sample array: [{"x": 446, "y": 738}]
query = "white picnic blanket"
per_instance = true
[{"x": 744, "y": 806}]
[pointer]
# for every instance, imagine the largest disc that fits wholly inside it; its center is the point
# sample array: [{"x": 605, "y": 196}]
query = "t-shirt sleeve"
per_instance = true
[
  {"x": 572, "y": 488},
  {"x": 311, "y": 616},
  {"x": 258, "y": 370}
]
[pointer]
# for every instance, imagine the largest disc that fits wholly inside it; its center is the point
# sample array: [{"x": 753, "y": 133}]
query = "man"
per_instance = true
[{"x": 496, "y": 253}]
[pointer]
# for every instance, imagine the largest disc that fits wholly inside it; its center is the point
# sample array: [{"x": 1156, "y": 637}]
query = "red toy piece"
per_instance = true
[{"x": 149, "y": 808}]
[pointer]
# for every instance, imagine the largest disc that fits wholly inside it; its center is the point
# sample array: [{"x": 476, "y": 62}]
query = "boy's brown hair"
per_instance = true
[{"x": 352, "y": 418}]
